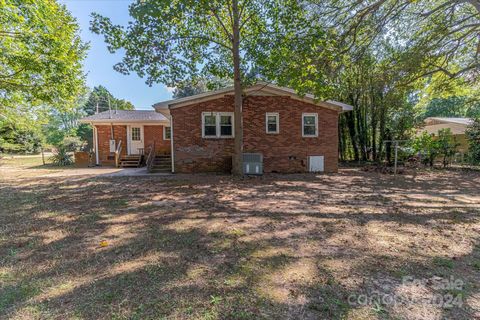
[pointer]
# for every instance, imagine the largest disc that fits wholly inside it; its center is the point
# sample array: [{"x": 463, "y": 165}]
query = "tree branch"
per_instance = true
[{"x": 227, "y": 33}]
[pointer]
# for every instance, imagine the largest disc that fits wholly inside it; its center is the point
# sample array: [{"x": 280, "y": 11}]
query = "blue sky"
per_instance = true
[{"x": 99, "y": 63}]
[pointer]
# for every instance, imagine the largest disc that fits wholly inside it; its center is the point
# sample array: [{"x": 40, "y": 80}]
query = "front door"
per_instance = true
[{"x": 136, "y": 140}]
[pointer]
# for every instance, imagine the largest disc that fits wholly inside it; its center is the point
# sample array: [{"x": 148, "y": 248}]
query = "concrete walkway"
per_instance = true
[{"x": 103, "y": 171}]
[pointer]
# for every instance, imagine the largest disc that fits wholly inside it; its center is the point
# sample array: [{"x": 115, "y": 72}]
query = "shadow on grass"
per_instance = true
[{"x": 216, "y": 248}]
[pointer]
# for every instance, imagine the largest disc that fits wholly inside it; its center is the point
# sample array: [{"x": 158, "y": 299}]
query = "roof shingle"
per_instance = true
[{"x": 125, "y": 116}]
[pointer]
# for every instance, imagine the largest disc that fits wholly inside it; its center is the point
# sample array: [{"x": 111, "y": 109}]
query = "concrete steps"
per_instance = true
[{"x": 162, "y": 163}]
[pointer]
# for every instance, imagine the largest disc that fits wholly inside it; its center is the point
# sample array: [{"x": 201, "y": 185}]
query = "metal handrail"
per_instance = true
[
  {"x": 118, "y": 152},
  {"x": 151, "y": 157}
]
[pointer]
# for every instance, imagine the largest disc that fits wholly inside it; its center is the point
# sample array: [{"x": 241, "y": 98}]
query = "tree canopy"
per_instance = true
[
  {"x": 175, "y": 41},
  {"x": 192, "y": 87},
  {"x": 102, "y": 98},
  {"x": 393, "y": 60},
  {"x": 40, "y": 53}
]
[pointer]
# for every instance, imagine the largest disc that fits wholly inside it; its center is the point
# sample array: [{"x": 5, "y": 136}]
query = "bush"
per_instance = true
[
  {"x": 72, "y": 144},
  {"x": 446, "y": 145},
  {"x": 425, "y": 146},
  {"x": 61, "y": 157},
  {"x": 429, "y": 147},
  {"x": 473, "y": 136}
]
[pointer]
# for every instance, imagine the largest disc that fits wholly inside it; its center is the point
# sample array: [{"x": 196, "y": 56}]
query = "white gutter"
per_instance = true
[{"x": 171, "y": 144}]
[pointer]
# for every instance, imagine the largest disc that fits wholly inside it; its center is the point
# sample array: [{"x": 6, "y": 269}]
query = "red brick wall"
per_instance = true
[
  {"x": 155, "y": 133},
  {"x": 287, "y": 151},
  {"x": 192, "y": 152},
  {"x": 104, "y": 136}
]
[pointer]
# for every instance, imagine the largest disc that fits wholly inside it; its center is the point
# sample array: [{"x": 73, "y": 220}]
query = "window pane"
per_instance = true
[
  {"x": 272, "y": 119},
  {"x": 167, "y": 132},
  {"x": 226, "y": 130},
  {"x": 210, "y": 119},
  {"x": 226, "y": 120},
  {"x": 309, "y": 130},
  {"x": 210, "y": 130},
  {"x": 309, "y": 120},
  {"x": 272, "y": 127},
  {"x": 136, "y": 134}
]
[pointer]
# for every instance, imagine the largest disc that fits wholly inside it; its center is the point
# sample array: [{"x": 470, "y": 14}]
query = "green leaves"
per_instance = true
[
  {"x": 40, "y": 53},
  {"x": 174, "y": 41}
]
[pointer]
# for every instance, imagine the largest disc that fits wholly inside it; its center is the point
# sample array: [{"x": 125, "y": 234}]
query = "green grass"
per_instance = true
[
  {"x": 443, "y": 262},
  {"x": 24, "y": 160}
]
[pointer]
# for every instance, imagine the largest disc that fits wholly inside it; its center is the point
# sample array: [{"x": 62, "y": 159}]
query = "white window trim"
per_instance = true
[
  {"x": 217, "y": 124},
  {"x": 164, "y": 131},
  {"x": 277, "y": 116},
  {"x": 316, "y": 125},
  {"x": 139, "y": 133}
]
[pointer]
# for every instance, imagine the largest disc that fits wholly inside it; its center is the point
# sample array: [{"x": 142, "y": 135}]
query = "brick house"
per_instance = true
[{"x": 291, "y": 133}]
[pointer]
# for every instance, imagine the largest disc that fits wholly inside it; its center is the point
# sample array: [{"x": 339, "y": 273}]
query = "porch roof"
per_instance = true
[{"x": 126, "y": 116}]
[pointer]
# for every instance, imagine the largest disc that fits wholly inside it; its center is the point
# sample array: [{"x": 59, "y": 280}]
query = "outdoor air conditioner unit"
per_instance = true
[{"x": 253, "y": 163}]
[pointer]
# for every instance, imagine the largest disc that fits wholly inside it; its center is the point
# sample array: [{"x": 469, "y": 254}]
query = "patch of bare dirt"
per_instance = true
[{"x": 352, "y": 245}]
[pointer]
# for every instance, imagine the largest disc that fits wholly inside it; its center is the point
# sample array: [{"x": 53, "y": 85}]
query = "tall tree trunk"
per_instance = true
[
  {"x": 382, "y": 120},
  {"x": 350, "y": 117},
  {"x": 237, "y": 84}
]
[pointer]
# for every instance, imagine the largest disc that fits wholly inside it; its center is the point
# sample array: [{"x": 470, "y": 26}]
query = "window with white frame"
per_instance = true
[
  {"x": 310, "y": 125},
  {"x": 167, "y": 133},
  {"x": 272, "y": 122},
  {"x": 217, "y": 125},
  {"x": 136, "y": 134}
]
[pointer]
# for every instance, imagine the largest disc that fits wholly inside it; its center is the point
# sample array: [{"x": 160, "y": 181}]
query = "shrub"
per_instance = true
[
  {"x": 429, "y": 147},
  {"x": 425, "y": 146},
  {"x": 61, "y": 157},
  {"x": 473, "y": 136},
  {"x": 72, "y": 144},
  {"x": 446, "y": 145}
]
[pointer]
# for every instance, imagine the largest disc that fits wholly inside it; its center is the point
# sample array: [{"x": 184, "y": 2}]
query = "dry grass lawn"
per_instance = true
[{"x": 211, "y": 247}]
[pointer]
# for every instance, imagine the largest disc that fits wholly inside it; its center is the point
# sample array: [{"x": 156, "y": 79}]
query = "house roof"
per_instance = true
[
  {"x": 434, "y": 124},
  {"x": 121, "y": 116},
  {"x": 260, "y": 87},
  {"x": 464, "y": 121}
]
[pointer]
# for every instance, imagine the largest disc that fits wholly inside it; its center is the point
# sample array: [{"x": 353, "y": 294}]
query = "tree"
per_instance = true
[
  {"x": 174, "y": 41},
  {"x": 18, "y": 140},
  {"x": 100, "y": 99},
  {"x": 63, "y": 121},
  {"x": 41, "y": 54},
  {"x": 190, "y": 88},
  {"x": 439, "y": 36},
  {"x": 473, "y": 136}
]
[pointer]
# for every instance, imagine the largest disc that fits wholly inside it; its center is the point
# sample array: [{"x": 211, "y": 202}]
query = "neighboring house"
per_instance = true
[
  {"x": 456, "y": 125},
  {"x": 292, "y": 133}
]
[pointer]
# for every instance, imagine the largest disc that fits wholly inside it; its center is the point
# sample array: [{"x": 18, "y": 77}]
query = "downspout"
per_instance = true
[
  {"x": 171, "y": 144},
  {"x": 95, "y": 144}
]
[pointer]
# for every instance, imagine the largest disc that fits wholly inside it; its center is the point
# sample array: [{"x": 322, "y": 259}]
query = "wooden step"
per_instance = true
[{"x": 131, "y": 161}]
